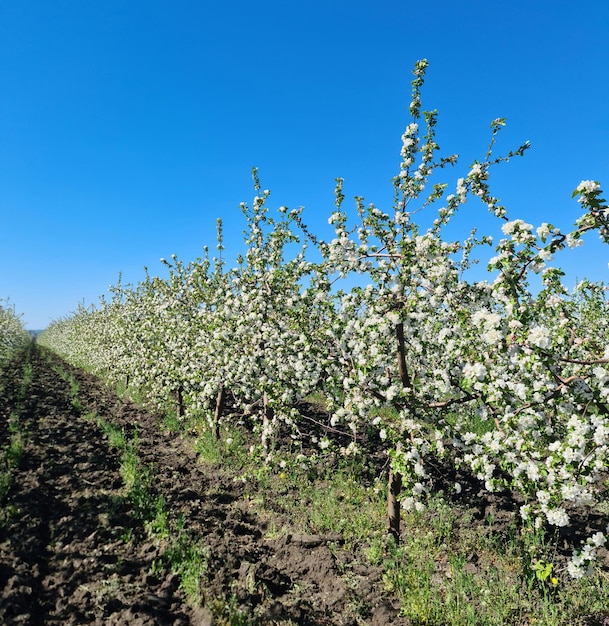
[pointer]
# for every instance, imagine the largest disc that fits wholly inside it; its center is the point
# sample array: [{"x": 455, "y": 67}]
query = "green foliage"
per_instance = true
[
  {"x": 183, "y": 554},
  {"x": 190, "y": 561},
  {"x": 14, "y": 451},
  {"x": 116, "y": 437},
  {"x": 5, "y": 485},
  {"x": 228, "y": 450}
]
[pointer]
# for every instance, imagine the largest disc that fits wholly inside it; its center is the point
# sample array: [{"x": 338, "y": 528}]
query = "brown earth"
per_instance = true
[{"x": 73, "y": 552}]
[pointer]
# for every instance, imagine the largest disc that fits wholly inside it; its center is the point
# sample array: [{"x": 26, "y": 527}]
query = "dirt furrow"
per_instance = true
[{"x": 64, "y": 558}]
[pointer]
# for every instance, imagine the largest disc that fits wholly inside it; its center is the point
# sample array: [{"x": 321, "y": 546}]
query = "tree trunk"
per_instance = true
[
  {"x": 180, "y": 402},
  {"x": 267, "y": 418},
  {"x": 404, "y": 377},
  {"x": 393, "y": 505},
  {"x": 395, "y": 478},
  {"x": 220, "y": 402}
]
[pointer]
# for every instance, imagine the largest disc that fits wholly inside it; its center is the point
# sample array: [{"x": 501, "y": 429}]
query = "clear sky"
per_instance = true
[{"x": 128, "y": 127}]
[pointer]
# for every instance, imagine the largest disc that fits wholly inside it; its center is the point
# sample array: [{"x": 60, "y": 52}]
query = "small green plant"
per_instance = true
[
  {"x": 14, "y": 451},
  {"x": 158, "y": 523},
  {"x": 131, "y": 471},
  {"x": 226, "y": 612},
  {"x": 228, "y": 450},
  {"x": 544, "y": 572},
  {"x": 116, "y": 437},
  {"x": 190, "y": 561},
  {"x": 26, "y": 381},
  {"x": 11, "y": 455},
  {"x": 182, "y": 555},
  {"x": 208, "y": 447},
  {"x": 5, "y": 485},
  {"x": 171, "y": 423}
]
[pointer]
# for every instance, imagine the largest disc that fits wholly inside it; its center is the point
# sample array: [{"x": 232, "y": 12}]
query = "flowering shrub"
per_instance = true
[{"x": 512, "y": 384}]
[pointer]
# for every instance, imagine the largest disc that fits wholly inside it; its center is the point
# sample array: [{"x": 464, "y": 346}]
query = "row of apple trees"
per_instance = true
[
  {"x": 12, "y": 333},
  {"x": 506, "y": 380}
]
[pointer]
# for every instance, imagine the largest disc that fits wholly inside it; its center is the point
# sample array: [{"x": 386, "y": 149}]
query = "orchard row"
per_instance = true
[
  {"x": 507, "y": 381},
  {"x": 12, "y": 333}
]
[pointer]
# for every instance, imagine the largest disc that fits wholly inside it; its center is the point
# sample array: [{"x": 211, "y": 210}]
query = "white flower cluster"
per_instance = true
[
  {"x": 539, "y": 336},
  {"x": 580, "y": 564},
  {"x": 475, "y": 370},
  {"x": 490, "y": 325},
  {"x": 587, "y": 187},
  {"x": 519, "y": 231}
]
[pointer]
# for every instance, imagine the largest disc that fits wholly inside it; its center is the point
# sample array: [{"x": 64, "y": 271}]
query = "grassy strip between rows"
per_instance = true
[
  {"x": 183, "y": 555},
  {"x": 448, "y": 569}
]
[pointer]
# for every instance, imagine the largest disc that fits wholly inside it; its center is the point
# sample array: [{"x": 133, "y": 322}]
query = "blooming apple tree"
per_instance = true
[
  {"x": 496, "y": 376},
  {"x": 12, "y": 333}
]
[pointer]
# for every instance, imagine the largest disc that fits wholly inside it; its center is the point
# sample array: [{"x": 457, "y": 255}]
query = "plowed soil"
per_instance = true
[{"x": 73, "y": 552}]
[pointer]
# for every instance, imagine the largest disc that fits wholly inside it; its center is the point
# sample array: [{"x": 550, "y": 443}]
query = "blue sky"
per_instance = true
[{"x": 128, "y": 127}]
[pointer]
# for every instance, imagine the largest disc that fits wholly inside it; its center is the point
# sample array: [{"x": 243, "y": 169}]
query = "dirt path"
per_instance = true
[
  {"x": 72, "y": 552},
  {"x": 64, "y": 558}
]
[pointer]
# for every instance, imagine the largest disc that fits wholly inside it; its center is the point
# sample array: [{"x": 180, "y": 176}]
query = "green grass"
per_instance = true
[
  {"x": 229, "y": 451},
  {"x": 336, "y": 503},
  {"x": 185, "y": 556},
  {"x": 116, "y": 437},
  {"x": 12, "y": 453},
  {"x": 147, "y": 507},
  {"x": 450, "y": 568},
  {"x": 190, "y": 561}
]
